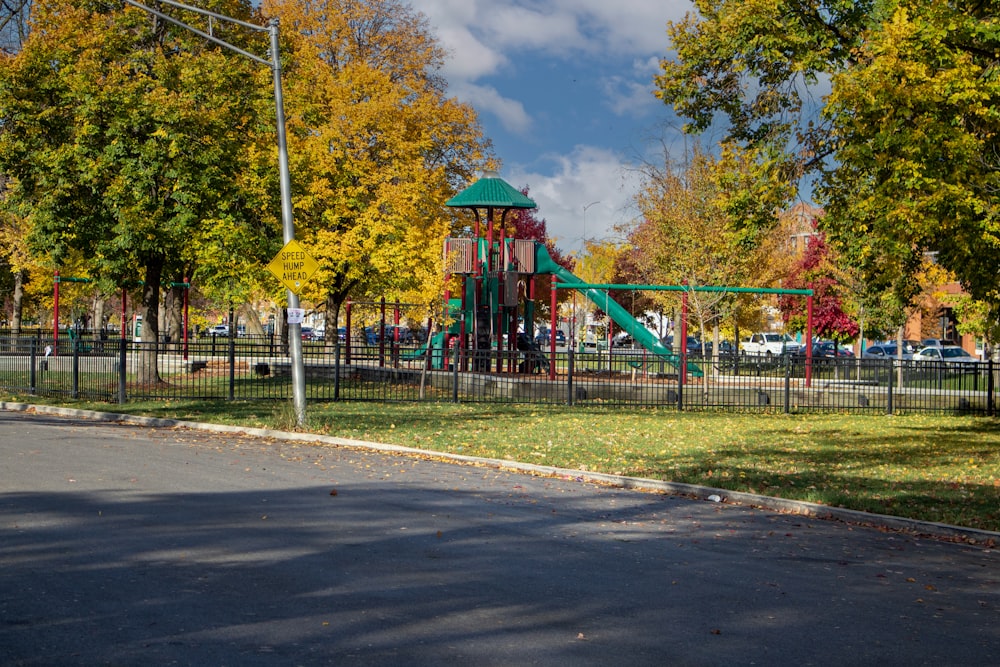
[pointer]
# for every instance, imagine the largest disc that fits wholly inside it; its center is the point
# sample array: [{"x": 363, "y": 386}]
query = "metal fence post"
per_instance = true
[
  {"x": 122, "y": 368},
  {"x": 888, "y": 402},
  {"x": 76, "y": 367},
  {"x": 788, "y": 380},
  {"x": 454, "y": 369},
  {"x": 336, "y": 369},
  {"x": 569, "y": 376},
  {"x": 680, "y": 386},
  {"x": 990, "y": 409},
  {"x": 232, "y": 357},
  {"x": 32, "y": 371}
]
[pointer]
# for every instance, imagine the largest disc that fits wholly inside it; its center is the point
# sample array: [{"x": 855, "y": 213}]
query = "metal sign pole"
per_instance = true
[{"x": 288, "y": 234}]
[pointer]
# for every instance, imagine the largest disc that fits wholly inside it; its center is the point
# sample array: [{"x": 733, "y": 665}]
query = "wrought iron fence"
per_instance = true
[{"x": 235, "y": 368}]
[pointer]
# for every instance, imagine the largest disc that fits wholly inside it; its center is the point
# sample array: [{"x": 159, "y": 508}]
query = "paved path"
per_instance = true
[{"x": 126, "y": 545}]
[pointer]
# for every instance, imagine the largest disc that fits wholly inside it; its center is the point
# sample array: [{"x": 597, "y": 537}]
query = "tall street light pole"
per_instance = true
[
  {"x": 583, "y": 246},
  {"x": 583, "y": 239},
  {"x": 287, "y": 223}
]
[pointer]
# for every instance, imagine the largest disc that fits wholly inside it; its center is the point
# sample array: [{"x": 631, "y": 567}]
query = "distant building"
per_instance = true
[{"x": 800, "y": 221}]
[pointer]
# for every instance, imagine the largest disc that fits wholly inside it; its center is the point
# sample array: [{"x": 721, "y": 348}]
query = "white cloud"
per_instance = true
[
  {"x": 590, "y": 177},
  {"x": 470, "y": 28},
  {"x": 627, "y": 97},
  {"x": 469, "y": 58},
  {"x": 488, "y": 39},
  {"x": 630, "y": 26},
  {"x": 510, "y": 113},
  {"x": 484, "y": 38}
]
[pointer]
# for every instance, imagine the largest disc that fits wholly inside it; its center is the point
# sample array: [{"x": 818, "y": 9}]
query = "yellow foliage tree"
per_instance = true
[{"x": 375, "y": 146}]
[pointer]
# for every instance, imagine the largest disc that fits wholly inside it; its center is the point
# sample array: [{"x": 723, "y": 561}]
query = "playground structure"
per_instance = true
[{"x": 492, "y": 269}]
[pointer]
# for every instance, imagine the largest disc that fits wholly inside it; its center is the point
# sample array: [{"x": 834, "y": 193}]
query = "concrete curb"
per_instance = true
[{"x": 812, "y": 510}]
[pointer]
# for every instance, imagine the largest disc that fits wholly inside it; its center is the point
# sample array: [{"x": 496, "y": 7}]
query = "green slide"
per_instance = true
[
  {"x": 545, "y": 264},
  {"x": 435, "y": 343}
]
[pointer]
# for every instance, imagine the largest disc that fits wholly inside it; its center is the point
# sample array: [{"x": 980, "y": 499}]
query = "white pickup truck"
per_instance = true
[{"x": 769, "y": 344}]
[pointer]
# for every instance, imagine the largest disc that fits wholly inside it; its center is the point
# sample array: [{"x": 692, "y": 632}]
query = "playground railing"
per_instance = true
[{"x": 116, "y": 370}]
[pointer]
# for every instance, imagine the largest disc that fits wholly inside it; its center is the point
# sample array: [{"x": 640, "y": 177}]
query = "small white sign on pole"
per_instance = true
[{"x": 296, "y": 315}]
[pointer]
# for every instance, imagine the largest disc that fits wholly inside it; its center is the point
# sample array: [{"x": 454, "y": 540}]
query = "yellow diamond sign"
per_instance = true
[{"x": 293, "y": 266}]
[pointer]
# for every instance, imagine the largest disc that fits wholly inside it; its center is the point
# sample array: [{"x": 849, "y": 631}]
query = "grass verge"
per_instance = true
[{"x": 926, "y": 467}]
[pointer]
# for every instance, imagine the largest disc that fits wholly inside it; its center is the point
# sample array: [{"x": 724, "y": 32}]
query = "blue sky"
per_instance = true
[{"x": 564, "y": 90}]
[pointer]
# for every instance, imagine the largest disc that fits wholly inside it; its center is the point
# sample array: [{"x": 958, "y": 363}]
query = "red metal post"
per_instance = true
[
  {"x": 684, "y": 337},
  {"x": 381, "y": 332},
  {"x": 809, "y": 337},
  {"x": 347, "y": 338},
  {"x": 552, "y": 328},
  {"x": 187, "y": 288},
  {"x": 463, "y": 332},
  {"x": 55, "y": 315}
]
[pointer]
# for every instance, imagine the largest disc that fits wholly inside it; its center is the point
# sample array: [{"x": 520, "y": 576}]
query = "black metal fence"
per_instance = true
[{"x": 116, "y": 370}]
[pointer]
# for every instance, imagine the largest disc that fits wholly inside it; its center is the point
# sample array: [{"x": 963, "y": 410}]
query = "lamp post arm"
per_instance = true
[
  {"x": 214, "y": 15},
  {"x": 200, "y": 33}
]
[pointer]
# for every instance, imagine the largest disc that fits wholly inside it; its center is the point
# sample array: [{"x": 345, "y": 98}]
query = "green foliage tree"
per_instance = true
[
  {"x": 904, "y": 145},
  {"x": 122, "y": 134}
]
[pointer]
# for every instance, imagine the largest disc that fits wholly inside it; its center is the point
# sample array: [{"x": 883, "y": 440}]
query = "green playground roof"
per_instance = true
[{"x": 491, "y": 190}]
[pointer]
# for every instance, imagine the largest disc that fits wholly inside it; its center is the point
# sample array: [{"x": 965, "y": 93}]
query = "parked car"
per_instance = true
[
  {"x": 952, "y": 355},
  {"x": 308, "y": 333},
  {"x": 218, "y": 330},
  {"x": 693, "y": 345},
  {"x": 769, "y": 344},
  {"x": 886, "y": 351},
  {"x": 392, "y": 334},
  {"x": 726, "y": 347},
  {"x": 543, "y": 337},
  {"x": 622, "y": 339},
  {"x": 826, "y": 349}
]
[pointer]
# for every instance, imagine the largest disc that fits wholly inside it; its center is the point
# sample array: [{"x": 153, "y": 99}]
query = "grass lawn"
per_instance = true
[{"x": 935, "y": 468}]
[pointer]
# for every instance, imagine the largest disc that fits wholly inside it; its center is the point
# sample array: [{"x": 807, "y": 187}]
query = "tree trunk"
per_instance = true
[
  {"x": 281, "y": 329},
  {"x": 333, "y": 303},
  {"x": 15, "y": 319},
  {"x": 253, "y": 323},
  {"x": 147, "y": 371},
  {"x": 175, "y": 315},
  {"x": 98, "y": 321}
]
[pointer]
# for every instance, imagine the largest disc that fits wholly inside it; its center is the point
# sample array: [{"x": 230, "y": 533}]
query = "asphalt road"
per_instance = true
[{"x": 126, "y": 545}]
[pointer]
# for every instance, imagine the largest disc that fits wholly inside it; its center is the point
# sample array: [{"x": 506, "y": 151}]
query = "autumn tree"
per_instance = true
[
  {"x": 904, "y": 147},
  {"x": 629, "y": 267},
  {"x": 688, "y": 236},
  {"x": 122, "y": 134},
  {"x": 376, "y": 147},
  {"x": 817, "y": 270},
  {"x": 596, "y": 265}
]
